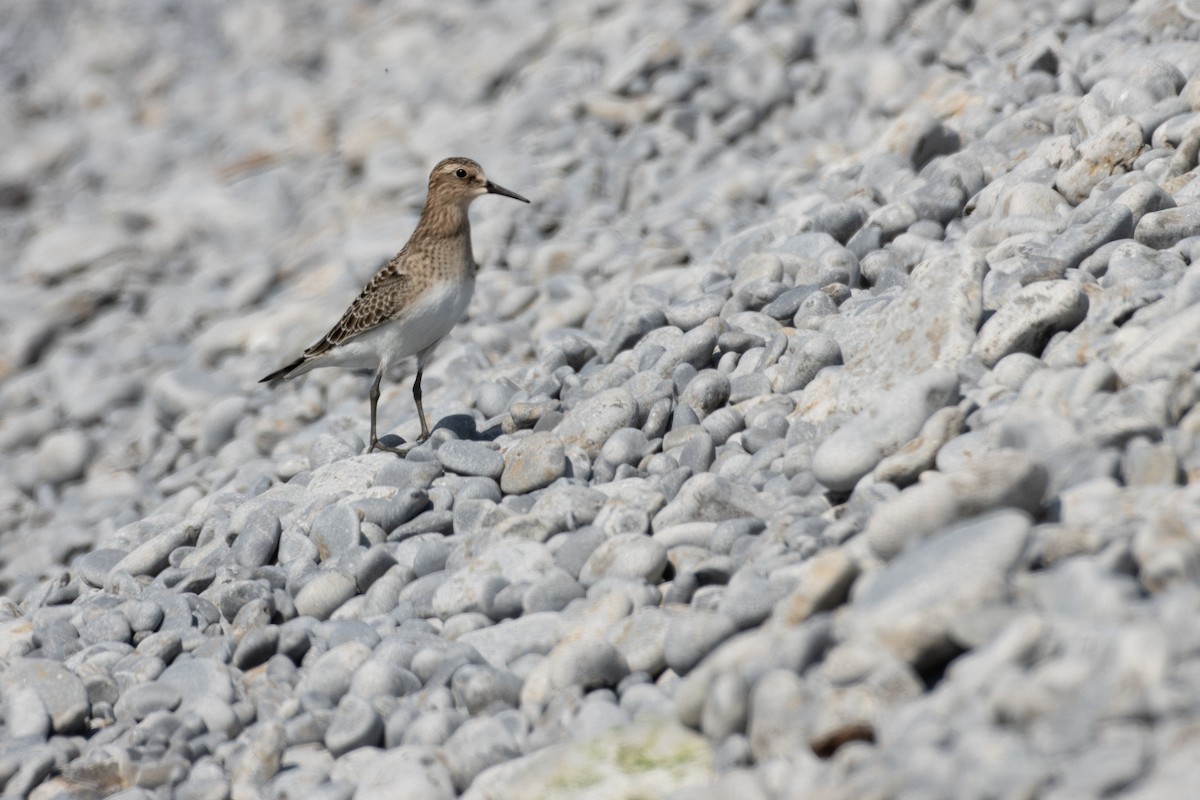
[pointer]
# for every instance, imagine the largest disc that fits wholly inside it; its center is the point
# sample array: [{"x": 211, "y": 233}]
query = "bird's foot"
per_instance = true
[{"x": 401, "y": 451}]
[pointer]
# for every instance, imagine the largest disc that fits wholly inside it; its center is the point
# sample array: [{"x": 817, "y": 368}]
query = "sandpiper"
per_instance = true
[{"x": 416, "y": 298}]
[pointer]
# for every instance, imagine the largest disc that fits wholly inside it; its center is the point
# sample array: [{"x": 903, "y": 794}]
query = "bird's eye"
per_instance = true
[{"x": 460, "y": 172}]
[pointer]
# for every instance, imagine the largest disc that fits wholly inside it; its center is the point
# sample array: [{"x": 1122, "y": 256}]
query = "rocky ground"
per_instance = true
[{"x": 826, "y": 428}]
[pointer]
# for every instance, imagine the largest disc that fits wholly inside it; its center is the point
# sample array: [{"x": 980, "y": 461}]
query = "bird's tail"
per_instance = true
[{"x": 285, "y": 372}]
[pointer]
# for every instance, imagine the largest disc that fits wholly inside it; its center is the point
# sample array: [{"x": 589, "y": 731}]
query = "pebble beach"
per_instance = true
[{"x": 828, "y": 426}]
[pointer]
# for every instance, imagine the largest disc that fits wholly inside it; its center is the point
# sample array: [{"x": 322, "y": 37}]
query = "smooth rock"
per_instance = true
[
  {"x": 880, "y": 430},
  {"x": 470, "y": 458},
  {"x": 911, "y": 605},
  {"x": 533, "y": 463},
  {"x": 1026, "y": 322}
]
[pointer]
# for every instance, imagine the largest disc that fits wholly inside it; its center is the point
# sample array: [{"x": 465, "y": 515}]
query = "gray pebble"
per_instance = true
[
  {"x": 390, "y": 510},
  {"x": 625, "y": 446},
  {"x": 481, "y": 743},
  {"x": 855, "y": 448},
  {"x": 910, "y": 606},
  {"x": 1078, "y": 242},
  {"x": 552, "y": 593},
  {"x": 706, "y": 392},
  {"x": 698, "y": 452},
  {"x": 430, "y": 556},
  {"x": 1025, "y": 322},
  {"x": 178, "y": 391},
  {"x": 706, "y": 497},
  {"x": 471, "y": 458},
  {"x": 1108, "y": 151},
  {"x": 629, "y": 555},
  {"x": 219, "y": 423},
  {"x": 95, "y": 566},
  {"x": 691, "y": 637},
  {"x": 405, "y": 474},
  {"x": 465, "y": 592},
  {"x": 572, "y": 550},
  {"x": 406, "y": 771},
  {"x": 589, "y": 424},
  {"x": 256, "y": 647},
  {"x": 153, "y": 556},
  {"x": 336, "y": 532},
  {"x": 258, "y": 540},
  {"x": 492, "y": 397},
  {"x": 139, "y": 702},
  {"x": 295, "y": 637},
  {"x": 727, "y": 709},
  {"x": 533, "y": 463},
  {"x": 587, "y": 665},
  {"x": 748, "y": 600},
  {"x": 1165, "y": 228},
  {"x": 723, "y": 423},
  {"x": 478, "y": 687},
  {"x": 693, "y": 313},
  {"x": 105, "y": 626},
  {"x": 640, "y": 637},
  {"x": 994, "y": 479},
  {"x": 381, "y": 678},
  {"x": 62, "y": 456},
  {"x": 431, "y": 521},
  {"x": 330, "y": 449},
  {"x": 324, "y": 594},
  {"x": 355, "y": 724},
  {"x": 25, "y": 715}
]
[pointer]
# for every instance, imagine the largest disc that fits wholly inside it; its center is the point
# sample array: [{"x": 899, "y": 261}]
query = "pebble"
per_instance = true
[
  {"x": 639, "y": 638},
  {"x": 355, "y": 724},
  {"x": 910, "y": 605},
  {"x": 1165, "y": 228},
  {"x": 706, "y": 497},
  {"x": 997, "y": 479},
  {"x": 857, "y": 447},
  {"x": 258, "y": 541},
  {"x": 691, "y": 637},
  {"x": 629, "y": 555},
  {"x": 336, "y": 532},
  {"x": 1109, "y": 151},
  {"x": 471, "y": 458},
  {"x": 405, "y": 771},
  {"x": 63, "y": 456},
  {"x": 706, "y": 392},
  {"x": 589, "y": 424},
  {"x": 481, "y": 743},
  {"x": 1027, "y": 321},
  {"x": 25, "y": 713},
  {"x": 322, "y": 595},
  {"x": 533, "y": 463},
  {"x": 95, "y": 566},
  {"x": 151, "y": 557},
  {"x": 552, "y": 593}
]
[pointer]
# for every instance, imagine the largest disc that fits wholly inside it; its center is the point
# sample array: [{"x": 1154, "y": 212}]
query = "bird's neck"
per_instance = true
[{"x": 444, "y": 220}]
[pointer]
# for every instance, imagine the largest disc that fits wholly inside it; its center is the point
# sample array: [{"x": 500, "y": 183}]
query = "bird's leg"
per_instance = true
[
  {"x": 375, "y": 443},
  {"x": 420, "y": 409}
]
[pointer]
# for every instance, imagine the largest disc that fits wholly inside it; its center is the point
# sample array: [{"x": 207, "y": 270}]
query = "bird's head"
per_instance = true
[{"x": 463, "y": 180}]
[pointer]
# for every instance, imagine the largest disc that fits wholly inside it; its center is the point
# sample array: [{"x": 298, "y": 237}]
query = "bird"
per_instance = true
[{"x": 416, "y": 298}]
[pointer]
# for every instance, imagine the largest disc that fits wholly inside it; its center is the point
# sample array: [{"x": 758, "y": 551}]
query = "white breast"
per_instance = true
[{"x": 422, "y": 325}]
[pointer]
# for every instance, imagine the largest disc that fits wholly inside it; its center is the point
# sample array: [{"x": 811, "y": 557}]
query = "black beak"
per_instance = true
[{"x": 496, "y": 189}]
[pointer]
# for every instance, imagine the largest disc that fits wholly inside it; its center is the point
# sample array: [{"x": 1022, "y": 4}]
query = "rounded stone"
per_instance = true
[
  {"x": 62, "y": 456},
  {"x": 470, "y": 458},
  {"x": 629, "y": 555},
  {"x": 324, "y": 594},
  {"x": 533, "y": 463}
]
